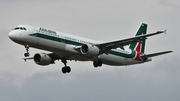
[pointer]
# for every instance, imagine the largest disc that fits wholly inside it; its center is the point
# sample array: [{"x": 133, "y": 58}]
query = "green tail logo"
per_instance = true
[{"x": 139, "y": 47}]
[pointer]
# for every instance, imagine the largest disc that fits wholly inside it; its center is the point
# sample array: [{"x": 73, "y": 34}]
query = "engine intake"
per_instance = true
[
  {"x": 89, "y": 50},
  {"x": 42, "y": 59}
]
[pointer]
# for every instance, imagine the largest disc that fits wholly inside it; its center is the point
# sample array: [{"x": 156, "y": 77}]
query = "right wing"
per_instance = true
[{"x": 121, "y": 43}]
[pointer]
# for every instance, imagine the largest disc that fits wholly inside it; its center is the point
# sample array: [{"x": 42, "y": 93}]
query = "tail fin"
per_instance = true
[{"x": 140, "y": 46}]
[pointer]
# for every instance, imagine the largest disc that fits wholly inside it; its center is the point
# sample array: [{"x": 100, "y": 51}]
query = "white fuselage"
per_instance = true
[{"x": 64, "y": 45}]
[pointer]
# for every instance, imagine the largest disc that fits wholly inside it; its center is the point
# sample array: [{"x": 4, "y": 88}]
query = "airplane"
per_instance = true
[{"x": 65, "y": 47}]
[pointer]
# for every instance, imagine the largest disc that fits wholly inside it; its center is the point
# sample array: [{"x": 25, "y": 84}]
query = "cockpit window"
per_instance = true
[
  {"x": 19, "y": 28},
  {"x": 24, "y": 28}
]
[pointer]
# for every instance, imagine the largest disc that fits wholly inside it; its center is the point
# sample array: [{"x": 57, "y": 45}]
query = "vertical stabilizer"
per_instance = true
[{"x": 140, "y": 46}]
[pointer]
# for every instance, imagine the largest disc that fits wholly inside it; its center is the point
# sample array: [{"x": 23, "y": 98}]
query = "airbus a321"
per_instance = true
[{"x": 65, "y": 47}]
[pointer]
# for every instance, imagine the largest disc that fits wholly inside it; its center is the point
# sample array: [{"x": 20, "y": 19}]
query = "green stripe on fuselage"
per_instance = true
[{"x": 57, "y": 39}]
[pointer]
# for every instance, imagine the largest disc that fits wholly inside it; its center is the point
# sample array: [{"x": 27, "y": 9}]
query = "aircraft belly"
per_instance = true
[
  {"x": 72, "y": 54},
  {"x": 111, "y": 60},
  {"x": 117, "y": 60}
]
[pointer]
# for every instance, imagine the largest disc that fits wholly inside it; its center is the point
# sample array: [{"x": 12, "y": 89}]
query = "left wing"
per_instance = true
[
  {"x": 53, "y": 56},
  {"x": 121, "y": 43}
]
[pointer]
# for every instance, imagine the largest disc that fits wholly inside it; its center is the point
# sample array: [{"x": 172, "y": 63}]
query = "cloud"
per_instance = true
[
  {"x": 170, "y": 3},
  {"x": 126, "y": 83}
]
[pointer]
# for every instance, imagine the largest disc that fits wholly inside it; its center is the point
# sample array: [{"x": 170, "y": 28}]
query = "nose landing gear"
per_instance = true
[{"x": 27, "y": 51}]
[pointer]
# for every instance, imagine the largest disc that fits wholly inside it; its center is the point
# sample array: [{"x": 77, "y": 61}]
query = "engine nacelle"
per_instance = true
[
  {"x": 89, "y": 50},
  {"x": 42, "y": 59}
]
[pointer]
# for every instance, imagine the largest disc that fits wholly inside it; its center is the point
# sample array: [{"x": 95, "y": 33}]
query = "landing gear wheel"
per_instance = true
[
  {"x": 97, "y": 63},
  {"x": 66, "y": 69},
  {"x": 26, "y": 54},
  {"x": 63, "y": 70}
]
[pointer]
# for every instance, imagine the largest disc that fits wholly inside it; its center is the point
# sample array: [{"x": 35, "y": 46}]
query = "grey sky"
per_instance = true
[{"x": 103, "y": 20}]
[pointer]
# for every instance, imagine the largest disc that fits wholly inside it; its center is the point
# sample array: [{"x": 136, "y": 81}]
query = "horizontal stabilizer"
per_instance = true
[{"x": 155, "y": 54}]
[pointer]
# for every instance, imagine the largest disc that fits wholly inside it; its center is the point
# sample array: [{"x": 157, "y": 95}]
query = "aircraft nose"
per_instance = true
[{"x": 12, "y": 35}]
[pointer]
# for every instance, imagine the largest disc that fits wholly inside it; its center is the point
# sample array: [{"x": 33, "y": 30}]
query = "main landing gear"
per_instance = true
[
  {"x": 65, "y": 69},
  {"x": 27, "y": 51},
  {"x": 97, "y": 63}
]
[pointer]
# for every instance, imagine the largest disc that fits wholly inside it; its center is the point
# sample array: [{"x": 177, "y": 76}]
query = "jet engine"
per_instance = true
[
  {"x": 89, "y": 50},
  {"x": 42, "y": 59}
]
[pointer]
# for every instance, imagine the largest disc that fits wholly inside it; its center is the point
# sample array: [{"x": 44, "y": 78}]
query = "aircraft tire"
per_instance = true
[
  {"x": 66, "y": 69},
  {"x": 97, "y": 63},
  {"x": 26, "y": 54}
]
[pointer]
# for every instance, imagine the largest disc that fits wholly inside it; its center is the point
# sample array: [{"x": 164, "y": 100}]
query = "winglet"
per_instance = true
[
  {"x": 165, "y": 31},
  {"x": 158, "y": 32}
]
